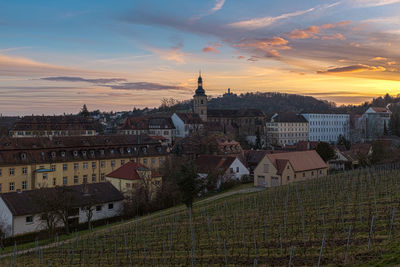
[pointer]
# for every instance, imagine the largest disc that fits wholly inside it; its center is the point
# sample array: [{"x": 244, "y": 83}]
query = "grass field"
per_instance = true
[{"x": 347, "y": 219}]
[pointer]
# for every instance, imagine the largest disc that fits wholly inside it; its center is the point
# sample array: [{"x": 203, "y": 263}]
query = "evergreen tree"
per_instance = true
[
  {"x": 84, "y": 111},
  {"x": 325, "y": 151}
]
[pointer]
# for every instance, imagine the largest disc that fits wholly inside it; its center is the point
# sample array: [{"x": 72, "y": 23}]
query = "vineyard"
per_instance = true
[{"x": 347, "y": 219}]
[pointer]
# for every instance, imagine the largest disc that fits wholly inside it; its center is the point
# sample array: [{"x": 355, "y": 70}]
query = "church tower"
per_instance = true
[{"x": 200, "y": 100}]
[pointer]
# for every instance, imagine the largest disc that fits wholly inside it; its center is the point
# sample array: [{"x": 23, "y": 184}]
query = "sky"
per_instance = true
[{"x": 115, "y": 55}]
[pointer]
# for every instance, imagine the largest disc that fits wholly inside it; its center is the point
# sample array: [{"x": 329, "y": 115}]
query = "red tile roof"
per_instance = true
[
  {"x": 379, "y": 109},
  {"x": 300, "y": 160},
  {"x": 208, "y": 163},
  {"x": 129, "y": 171},
  {"x": 281, "y": 164}
]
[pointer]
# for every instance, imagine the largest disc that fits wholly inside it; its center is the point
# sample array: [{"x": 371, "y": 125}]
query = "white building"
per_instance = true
[
  {"x": 186, "y": 123},
  {"x": 327, "y": 127},
  {"x": 22, "y": 213},
  {"x": 222, "y": 168},
  {"x": 374, "y": 122}
]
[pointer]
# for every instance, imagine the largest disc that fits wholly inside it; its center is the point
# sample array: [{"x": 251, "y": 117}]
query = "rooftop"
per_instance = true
[
  {"x": 129, "y": 171},
  {"x": 300, "y": 160}
]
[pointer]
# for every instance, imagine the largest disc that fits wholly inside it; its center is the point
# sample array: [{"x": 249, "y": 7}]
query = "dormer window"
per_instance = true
[
  {"x": 53, "y": 154},
  {"x": 144, "y": 149},
  {"x": 63, "y": 154},
  {"x": 121, "y": 150},
  {"x": 42, "y": 154},
  {"x": 92, "y": 153},
  {"x": 75, "y": 153},
  {"x": 84, "y": 153},
  {"x": 102, "y": 152},
  {"x": 129, "y": 150},
  {"x": 112, "y": 151},
  {"x": 23, "y": 156}
]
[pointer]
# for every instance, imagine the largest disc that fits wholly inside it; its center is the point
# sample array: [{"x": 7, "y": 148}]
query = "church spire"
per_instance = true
[{"x": 200, "y": 90}]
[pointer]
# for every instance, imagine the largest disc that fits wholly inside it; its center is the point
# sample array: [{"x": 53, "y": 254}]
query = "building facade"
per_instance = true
[
  {"x": 373, "y": 123},
  {"x": 152, "y": 126},
  {"x": 187, "y": 123},
  {"x": 286, "y": 129},
  {"x": 69, "y": 125},
  {"x": 200, "y": 100},
  {"x": 284, "y": 168},
  {"x": 132, "y": 176},
  {"x": 21, "y": 213},
  {"x": 327, "y": 127},
  {"x": 29, "y": 163}
]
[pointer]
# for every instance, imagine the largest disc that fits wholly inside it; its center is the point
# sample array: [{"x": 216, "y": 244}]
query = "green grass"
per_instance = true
[{"x": 271, "y": 227}]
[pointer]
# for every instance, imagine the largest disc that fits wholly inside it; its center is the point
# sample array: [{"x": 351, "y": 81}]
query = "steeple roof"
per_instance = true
[{"x": 200, "y": 91}]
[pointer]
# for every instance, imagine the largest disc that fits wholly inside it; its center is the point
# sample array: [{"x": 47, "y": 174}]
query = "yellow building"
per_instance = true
[
  {"x": 29, "y": 163},
  {"x": 132, "y": 176},
  {"x": 286, "y": 129},
  {"x": 284, "y": 168}
]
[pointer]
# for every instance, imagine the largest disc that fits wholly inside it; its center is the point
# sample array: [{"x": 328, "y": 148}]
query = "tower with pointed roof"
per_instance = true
[{"x": 200, "y": 100}]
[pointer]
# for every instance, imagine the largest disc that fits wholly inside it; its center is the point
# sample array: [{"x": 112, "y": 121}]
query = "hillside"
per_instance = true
[{"x": 344, "y": 219}]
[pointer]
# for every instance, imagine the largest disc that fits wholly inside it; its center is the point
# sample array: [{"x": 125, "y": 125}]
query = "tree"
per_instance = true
[
  {"x": 89, "y": 205},
  {"x": 63, "y": 201},
  {"x": 325, "y": 151},
  {"x": 258, "y": 140},
  {"x": 84, "y": 111},
  {"x": 188, "y": 184},
  {"x": 343, "y": 141}
]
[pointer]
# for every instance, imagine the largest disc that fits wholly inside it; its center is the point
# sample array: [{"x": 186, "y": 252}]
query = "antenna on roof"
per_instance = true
[{"x": 199, "y": 73}]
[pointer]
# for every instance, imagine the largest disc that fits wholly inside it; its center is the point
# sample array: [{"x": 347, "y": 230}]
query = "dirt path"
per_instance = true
[{"x": 157, "y": 214}]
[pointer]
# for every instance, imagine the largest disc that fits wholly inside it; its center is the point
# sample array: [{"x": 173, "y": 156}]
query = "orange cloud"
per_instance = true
[
  {"x": 314, "y": 30},
  {"x": 390, "y": 63},
  {"x": 212, "y": 48},
  {"x": 352, "y": 68},
  {"x": 379, "y": 59}
]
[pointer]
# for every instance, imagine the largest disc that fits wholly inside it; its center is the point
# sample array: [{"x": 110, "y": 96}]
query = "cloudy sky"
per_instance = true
[{"x": 115, "y": 55}]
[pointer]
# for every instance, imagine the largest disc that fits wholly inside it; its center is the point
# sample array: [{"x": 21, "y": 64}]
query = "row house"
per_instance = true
[
  {"x": 286, "y": 129},
  {"x": 29, "y": 163},
  {"x": 327, "y": 127},
  {"x": 49, "y": 126},
  {"x": 152, "y": 126}
]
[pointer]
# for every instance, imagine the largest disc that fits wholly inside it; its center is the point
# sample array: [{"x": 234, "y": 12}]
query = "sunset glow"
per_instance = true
[{"x": 116, "y": 55}]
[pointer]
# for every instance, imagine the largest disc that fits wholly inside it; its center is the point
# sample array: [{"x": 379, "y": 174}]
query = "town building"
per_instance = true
[
  {"x": 283, "y": 168},
  {"x": 220, "y": 168},
  {"x": 132, "y": 176},
  {"x": 29, "y": 163},
  {"x": 327, "y": 127},
  {"x": 374, "y": 123},
  {"x": 187, "y": 123},
  {"x": 286, "y": 129},
  {"x": 68, "y": 125},
  {"x": 152, "y": 126},
  {"x": 200, "y": 100},
  {"x": 253, "y": 157},
  {"x": 22, "y": 212}
]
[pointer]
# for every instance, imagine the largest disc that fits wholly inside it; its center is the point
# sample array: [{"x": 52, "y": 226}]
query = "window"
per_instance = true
[
  {"x": 24, "y": 170},
  {"x": 110, "y": 206},
  {"x": 266, "y": 169},
  {"x": 312, "y": 173},
  {"x": 128, "y": 185},
  {"x": 94, "y": 165},
  {"x": 98, "y": 208},
  {"x": 288, "y": 178},
  {"x": 102, "y": 177},
  {"x": 85, "y": 179},
  {"x": 103, "y": 164},
  {"x": 144, "y": 161},
  {"x": 29, "y": 219},
  {"x": 113, "y": 163},
  {"x": 304, "y": 174},
  {"x": 12, "y": 171},
  {"x": 44, "y": 176},
  {"x": 54, "y": 181},
  {"x": 53, "y": 168},
  {"x": 160, "y": 160},
  {"x": 1, "y": 172},
  {"x": 24, "y": 185},
  {"x": 122, "y": 162},
  {"x": 237, "y": 169},
  {"x": 153, "y": 160},
  {"x": 75, "y": 179},
  {"x": 76, "y": 166},
  {"x": 65, "y": 180},
  {"x": 65, "y": 167},
  {"x": 94, "y": 177},
  {"x": 85, "y": 165},
  {"x": 11, "y": 186}
]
